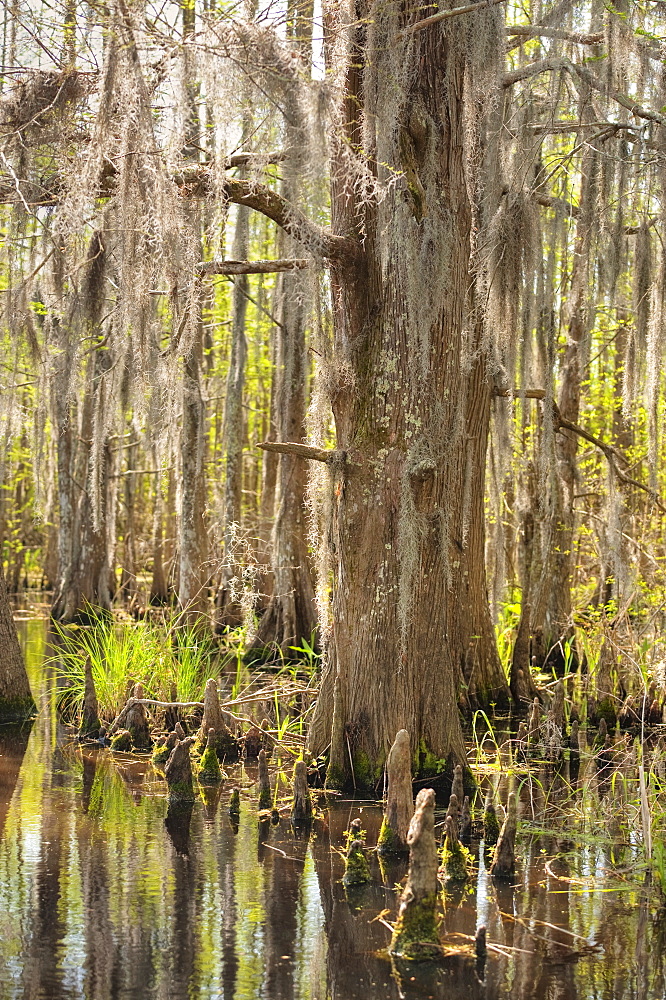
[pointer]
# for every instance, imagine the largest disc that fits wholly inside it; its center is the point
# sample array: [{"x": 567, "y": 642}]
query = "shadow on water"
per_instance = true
[{"x": 106, "y": 893}]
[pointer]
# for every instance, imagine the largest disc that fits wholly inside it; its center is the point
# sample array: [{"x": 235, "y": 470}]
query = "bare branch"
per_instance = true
[
  {"x": 532, "y": 69},
  {"x": 550, "y": 65},
  {"x": 252, "y": 266},
  {"x": 444, "y": 15},
  {"x": 612, "y": 454},
  {"x": 647, "y": 114},
  {"x": 536, "y": 30},
  {"x": 327, "y": 455}
]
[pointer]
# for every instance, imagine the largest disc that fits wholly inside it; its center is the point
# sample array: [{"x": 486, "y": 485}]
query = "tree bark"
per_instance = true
[
  {"x": 402, "y": 402},
  {"x": 16, "y": 701}
]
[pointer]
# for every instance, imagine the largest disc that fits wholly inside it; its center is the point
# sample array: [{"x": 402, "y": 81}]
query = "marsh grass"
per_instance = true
[{"x": 172, "y": 661}]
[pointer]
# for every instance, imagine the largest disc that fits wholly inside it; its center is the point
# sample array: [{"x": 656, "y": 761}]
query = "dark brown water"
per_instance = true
[{"x": 101, "y": 898}]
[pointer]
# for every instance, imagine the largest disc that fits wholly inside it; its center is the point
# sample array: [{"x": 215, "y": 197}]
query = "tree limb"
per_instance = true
[
  {"x": 612, "y": 454},
  {"x": 252, "y": 266},
  {"x": 560, "y": 62},
  {"x": 533, "y": 68},
  {"x": 444, "y": 15},
  {"x": 537, "y": 30},
  {"x": 327, "y": 455},
  {"x": 198, "y": 182}
]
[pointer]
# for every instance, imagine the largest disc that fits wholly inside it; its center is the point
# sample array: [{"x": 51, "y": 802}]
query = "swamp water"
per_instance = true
[{"x": 102, "y": 896}]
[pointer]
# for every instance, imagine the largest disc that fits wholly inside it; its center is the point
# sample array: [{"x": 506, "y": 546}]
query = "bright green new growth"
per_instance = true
[{"x": 163, "y": 658}]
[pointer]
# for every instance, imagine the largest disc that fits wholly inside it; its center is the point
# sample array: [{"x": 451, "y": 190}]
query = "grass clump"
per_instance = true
[{"x": 166, "y": 658}]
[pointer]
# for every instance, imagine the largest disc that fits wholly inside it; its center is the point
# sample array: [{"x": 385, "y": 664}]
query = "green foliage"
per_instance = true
[{"x": 162, "y": 658}]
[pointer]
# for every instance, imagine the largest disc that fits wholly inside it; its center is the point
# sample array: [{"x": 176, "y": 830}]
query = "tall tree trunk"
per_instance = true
[
  {"x": 483, "y": 676},
  {"x": 291, "y": 614},
  {"x": 193, "y": 571},
  {"x": 229, "y": 611},
  {"x": 16, "y": 701},
  {"x": 403, "y": 328},
  {"x": 552, "y": 625},
  {"x": 84, "y": 579}
]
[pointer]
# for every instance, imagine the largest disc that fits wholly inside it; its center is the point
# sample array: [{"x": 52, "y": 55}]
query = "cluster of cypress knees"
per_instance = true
[{"x": 408, "y": 827}]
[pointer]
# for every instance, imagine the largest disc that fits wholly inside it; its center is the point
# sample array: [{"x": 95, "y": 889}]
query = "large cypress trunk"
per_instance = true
[{"x": 404, "y": 339}]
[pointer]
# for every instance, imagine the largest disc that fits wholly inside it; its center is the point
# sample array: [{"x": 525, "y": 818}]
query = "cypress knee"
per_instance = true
[
  {"x": 301, "y": 810},
  {"x": 178, "y": 773},
  {"x": 90, "y": 724},
  {"x": 399, "y": 799},
  {"x": 415, "y": 933},
  {"x": 504, "y": 863}
]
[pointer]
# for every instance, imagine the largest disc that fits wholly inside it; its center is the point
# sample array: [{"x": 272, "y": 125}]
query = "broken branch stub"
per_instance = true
[
  {"x": 415, "y": 933},
  {"x": 399, "y": 800}
]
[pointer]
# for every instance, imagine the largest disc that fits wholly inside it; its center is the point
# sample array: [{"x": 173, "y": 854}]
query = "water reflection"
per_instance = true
[{"x": 105, "y": 893}]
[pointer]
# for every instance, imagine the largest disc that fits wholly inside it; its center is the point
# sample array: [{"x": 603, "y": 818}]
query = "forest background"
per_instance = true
[{"x": 245, "y": 245}]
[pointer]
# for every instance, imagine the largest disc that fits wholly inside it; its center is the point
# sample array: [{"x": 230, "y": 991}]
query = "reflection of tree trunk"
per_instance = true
[
  {"x": 13, "y": 744},
  {"x": 281, "y": 905},
  {"x": 227, "y": 870},
  {"x": 43, "y": 974},
  {"x": 352, "y": 939},
  {"x": 101, "y": 951}
]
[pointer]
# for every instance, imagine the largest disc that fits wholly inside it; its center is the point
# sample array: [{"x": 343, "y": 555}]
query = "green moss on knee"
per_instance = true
[
  {"x": 491, "y": 827},
  {"x": 456, "y": 861},
  {"x": 415, "y": 934},
  {"x": 209, "y": 768},
  {"x": 122, "y": 740},
  {"x": 356, "y": 865}
]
